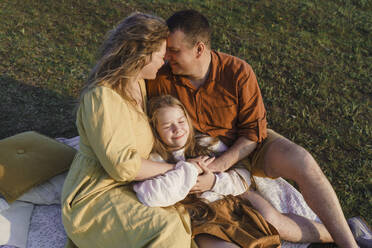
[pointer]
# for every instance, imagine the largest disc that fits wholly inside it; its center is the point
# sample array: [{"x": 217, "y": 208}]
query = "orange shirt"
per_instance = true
[{"x": 228, "y": 105}]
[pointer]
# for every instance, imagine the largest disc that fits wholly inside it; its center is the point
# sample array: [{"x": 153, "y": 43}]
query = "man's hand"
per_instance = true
[
  {"x": 201, "y": 161},
  {"x": 205, "y": 181},
  {"x": 218, "y": 165}
]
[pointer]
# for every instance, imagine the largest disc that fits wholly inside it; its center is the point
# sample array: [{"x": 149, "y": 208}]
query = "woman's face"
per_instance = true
[
  {"x": 157, "y": 61},
  {"x": 172, "y": 127}
]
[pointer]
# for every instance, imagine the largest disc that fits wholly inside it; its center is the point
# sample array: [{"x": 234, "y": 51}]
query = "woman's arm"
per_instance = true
[
  {"x": 155, "y": 166},
  {"x": 165, "y": 190},
  {"x": 106, "y": 120},
  {"x": 151, "y": 169}
]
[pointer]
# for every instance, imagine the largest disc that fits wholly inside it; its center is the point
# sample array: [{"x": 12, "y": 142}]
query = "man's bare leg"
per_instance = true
[
  {"x": 288, "y": 160},
  {"x": 206, "y": 240},
  {"x": 291, "y": 227}
]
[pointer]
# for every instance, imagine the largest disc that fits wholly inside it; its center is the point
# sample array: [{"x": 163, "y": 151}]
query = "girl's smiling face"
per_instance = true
[{"x": 172, "y": 127}]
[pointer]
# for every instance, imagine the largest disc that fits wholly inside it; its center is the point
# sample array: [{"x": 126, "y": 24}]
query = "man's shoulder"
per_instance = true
[{"x": 228, "y": 62}]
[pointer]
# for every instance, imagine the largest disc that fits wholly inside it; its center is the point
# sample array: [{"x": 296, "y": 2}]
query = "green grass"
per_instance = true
[{"x": 313, "y": 60}]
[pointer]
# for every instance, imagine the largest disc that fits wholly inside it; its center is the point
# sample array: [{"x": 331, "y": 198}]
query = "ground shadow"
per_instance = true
[{"x": 24, "y": 107}]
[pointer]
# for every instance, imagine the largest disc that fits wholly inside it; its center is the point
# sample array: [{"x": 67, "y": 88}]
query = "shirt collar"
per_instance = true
[{"x": 214, "y": 72}]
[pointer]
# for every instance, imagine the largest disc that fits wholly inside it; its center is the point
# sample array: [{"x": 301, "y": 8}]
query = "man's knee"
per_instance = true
[
  {"x": 289, "y": 160},
  {"x": 309, "y": 171}
]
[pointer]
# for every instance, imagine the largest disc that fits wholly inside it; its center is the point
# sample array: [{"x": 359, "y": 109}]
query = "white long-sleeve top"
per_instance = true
[{"x": 173, "y": 186}]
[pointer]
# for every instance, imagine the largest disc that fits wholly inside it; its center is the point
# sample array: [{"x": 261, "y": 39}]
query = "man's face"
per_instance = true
[{"x": 180, "y": 54}]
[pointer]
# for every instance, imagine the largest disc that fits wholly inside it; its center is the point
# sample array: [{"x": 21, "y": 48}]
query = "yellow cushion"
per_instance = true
[{"x": 29, "y": 158}]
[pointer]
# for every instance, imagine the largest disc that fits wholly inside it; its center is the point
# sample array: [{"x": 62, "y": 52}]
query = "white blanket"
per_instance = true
[
  {"x": 28, "y": 224},
  {"x": 45, "y": 228}
]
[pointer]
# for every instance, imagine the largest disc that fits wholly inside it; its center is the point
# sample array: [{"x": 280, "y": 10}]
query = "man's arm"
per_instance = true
[
  {"x": 239, "y": 150},
  {"x": 251, "y": 123}
]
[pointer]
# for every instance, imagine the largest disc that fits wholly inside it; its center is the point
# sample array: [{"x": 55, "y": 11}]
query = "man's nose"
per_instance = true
[{"x": 167, "y": 56}]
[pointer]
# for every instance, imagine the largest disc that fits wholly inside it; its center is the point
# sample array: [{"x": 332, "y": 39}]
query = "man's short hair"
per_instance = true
[{"x": 193, "y": 24}]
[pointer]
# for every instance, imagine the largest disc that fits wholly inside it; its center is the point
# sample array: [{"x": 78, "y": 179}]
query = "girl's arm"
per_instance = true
[{"x": 232, "y": 182}]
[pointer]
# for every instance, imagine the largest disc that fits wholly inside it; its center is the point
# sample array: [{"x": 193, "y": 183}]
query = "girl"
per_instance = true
[{"x": 175, "y": 141}]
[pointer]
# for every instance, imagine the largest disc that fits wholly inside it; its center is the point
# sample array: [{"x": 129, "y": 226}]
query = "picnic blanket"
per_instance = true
[{"x": 39, "y": 225}]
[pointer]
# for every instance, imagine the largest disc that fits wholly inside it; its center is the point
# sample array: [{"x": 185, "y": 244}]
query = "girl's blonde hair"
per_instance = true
[
  {"x": 126, "y": 50},
  {"x": 192, "y": 148}
]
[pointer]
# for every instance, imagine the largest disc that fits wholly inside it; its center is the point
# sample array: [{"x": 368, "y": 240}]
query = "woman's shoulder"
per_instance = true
[
  {"x": 104, "y": 94},
  {"x": 101, "y": 91},
  {"x": 102, "y": 98}
]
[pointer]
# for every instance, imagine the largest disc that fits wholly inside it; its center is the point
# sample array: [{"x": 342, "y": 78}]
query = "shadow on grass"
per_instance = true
[{"x": 24, "y": 108}]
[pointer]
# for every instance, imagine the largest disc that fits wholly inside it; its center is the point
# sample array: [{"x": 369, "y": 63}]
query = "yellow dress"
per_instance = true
[{"x": 99, "y": 208}]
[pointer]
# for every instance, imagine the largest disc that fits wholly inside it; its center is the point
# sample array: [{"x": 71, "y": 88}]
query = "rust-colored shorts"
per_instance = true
[
  {"x": 255, "y": 161},
  {"x": 236, "y": 221}
]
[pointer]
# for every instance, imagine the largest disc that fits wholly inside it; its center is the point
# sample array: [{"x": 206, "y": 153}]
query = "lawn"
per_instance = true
[{"x": 313, "y": 61}]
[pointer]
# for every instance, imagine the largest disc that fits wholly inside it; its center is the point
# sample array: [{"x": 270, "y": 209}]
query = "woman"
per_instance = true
[{"x": 98, "y": 207}]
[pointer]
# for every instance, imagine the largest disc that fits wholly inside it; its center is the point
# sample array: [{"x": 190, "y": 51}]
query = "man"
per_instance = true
[{"x": 222, "y": 96}]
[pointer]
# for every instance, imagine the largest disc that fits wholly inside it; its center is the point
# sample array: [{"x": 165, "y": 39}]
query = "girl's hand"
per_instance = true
[{"x": 205, "y": 181}]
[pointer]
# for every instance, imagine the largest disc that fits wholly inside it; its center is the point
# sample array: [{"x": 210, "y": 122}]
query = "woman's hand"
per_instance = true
[{"x": 205, "y": 181}]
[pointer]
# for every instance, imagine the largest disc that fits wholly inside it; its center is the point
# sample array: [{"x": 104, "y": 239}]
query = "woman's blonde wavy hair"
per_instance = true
[{"x": 126, "y": 50}]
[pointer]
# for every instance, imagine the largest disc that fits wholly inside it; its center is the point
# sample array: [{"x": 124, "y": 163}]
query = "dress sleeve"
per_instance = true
[
  {"x": 169, "y": 188},
  {"x": 252, "y": 114},
  {"x": 107, "y": 122},
  {"x": 233, "y": 182}
]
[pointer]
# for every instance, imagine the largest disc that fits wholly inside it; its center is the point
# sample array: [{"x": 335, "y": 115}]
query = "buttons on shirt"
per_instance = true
[{"x": 198, "y": 102}]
